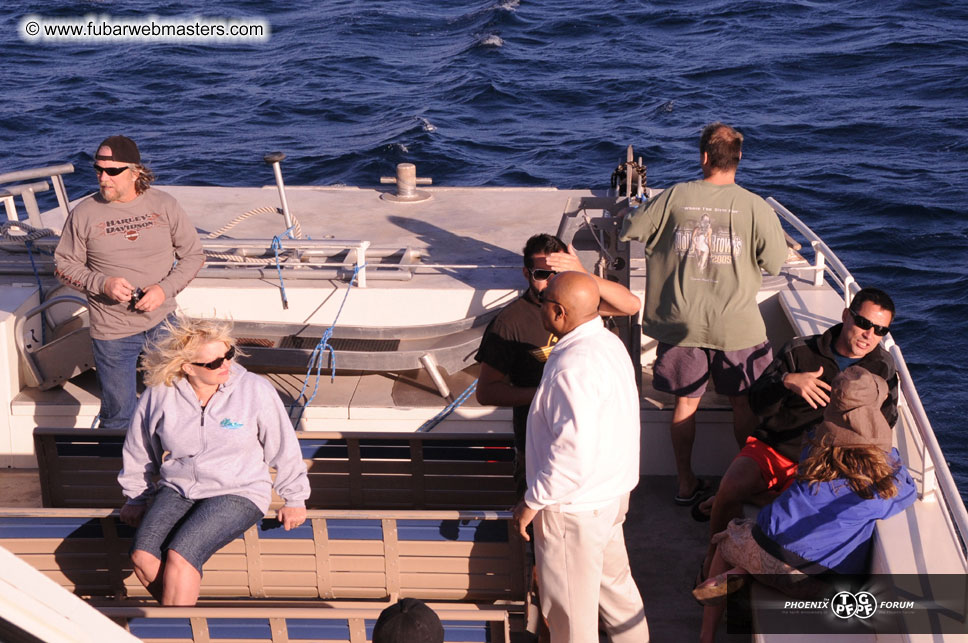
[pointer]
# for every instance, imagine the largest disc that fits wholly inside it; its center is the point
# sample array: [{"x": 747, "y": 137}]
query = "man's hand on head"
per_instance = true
[
  {"x": 118, "y": 289},
  {"x": 809, "y": 386},
  {"x": 153, "y": 297},
  {"x": 565, "y": 261}
]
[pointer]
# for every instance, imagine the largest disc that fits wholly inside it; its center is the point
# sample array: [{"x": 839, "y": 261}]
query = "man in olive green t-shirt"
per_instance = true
[
  {"x": 705, "y": 245},
  {"x": 130, "y": 248}
]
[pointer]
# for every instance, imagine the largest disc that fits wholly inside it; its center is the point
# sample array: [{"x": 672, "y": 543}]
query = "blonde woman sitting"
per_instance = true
[{"x": 211, "y": 430}]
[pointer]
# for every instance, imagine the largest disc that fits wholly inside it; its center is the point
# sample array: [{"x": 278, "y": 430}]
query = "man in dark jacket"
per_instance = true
[{"x": 789, "y": 398}]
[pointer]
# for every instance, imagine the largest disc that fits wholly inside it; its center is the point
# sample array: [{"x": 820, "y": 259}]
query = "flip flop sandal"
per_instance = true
[
  {"x": 697, "y": 513},
  {"x": 685, "y": 501},
  {"x": 715, "y": 590}
]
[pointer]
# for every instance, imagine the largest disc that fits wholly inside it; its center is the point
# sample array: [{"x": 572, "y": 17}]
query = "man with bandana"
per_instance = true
[{"x": 130, "y": 249}]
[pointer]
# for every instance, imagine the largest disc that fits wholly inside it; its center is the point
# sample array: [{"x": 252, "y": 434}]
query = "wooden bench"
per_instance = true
[
  {"x": 467, "y": 556},
  {"x": 79, "y": 468},
  {"x": 281, "y": 624},
  {"x": 338, "y": 558}
]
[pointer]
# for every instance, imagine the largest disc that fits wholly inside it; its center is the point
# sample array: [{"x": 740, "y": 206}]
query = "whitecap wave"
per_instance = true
[
  {"x": 492, "y": 40},
  {"x": 427, "y": 125},
  {"x": 508, "y": 5}
]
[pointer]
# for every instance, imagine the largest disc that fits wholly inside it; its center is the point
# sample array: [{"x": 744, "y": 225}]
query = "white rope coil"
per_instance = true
[
  {"x": 229, "y": 256},
  {"x": 30, "y": 233}
]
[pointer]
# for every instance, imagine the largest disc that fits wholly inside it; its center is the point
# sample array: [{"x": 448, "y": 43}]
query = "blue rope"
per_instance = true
[
  {"x": 437, "y": 419},
  {"x": 315, "y": 358},
  {"x": 40, "y": 291},
  {"x": 277, "y": 247}
]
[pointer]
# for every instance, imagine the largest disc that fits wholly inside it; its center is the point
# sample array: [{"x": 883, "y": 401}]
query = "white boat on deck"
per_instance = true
[{"x": 401, "y": 282}]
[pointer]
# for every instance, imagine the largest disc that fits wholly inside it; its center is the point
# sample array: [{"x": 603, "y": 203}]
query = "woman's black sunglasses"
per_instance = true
[
  {"x": 865, "y": 324},
  {"x": 111, "y": 171},
  {"x": 217, "y": 363}
]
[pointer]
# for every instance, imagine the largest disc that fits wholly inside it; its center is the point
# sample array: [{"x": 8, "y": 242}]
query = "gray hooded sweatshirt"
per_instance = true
[{"x": 225, "y": 448}]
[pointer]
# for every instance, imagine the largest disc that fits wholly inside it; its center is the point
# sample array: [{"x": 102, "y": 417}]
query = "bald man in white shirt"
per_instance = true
[{"x": 582, "y": 462}]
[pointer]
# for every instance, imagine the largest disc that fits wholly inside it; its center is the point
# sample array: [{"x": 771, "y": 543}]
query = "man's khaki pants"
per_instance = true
[{"x": 583, "y": 571}]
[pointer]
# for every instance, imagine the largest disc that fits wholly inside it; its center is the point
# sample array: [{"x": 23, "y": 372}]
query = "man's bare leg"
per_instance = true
[
  {"x": 744, "y": 420},
  {"x": 741, "y": 483},
  {"x": 712, "y": 615},
  {"x": 683, "y": 434}
]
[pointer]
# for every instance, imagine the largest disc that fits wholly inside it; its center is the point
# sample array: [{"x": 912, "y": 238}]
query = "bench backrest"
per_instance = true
[
  {"x": 283, "y": 624},
  {"x": 430, "y": 555},
  {"x": 79, "y": 468}
]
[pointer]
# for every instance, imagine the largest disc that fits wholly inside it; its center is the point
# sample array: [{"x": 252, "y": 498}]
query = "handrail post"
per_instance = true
[
  {"x": 848, "y": 295},
  {"x": 820, "y": 263},
  {"x": 10, "y": 206},
  {"x": 361, "y": 264},
  {"x": 61, "y": 192},
  {"x": 929, "y": 478}
]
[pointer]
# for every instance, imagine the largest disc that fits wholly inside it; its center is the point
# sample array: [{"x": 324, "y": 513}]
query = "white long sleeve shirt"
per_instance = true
[{"x": 583, "y": 428}]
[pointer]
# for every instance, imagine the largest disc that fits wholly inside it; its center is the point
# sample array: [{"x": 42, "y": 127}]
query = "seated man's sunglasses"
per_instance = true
[
  {"x": 110, "y": 171},
  {"x": 865, "y": 324},
  {"x": 542, "y": 274},
  {"x": 217, "y": 363}
]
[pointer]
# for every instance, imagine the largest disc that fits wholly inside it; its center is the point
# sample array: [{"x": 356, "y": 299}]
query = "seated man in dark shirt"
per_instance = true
[
  {"x": 516, "y": 345},
  {"x": 789, "y": 400}
]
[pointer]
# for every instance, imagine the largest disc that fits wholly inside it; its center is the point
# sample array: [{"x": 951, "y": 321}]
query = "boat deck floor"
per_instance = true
[
  {"x": 407, "y": 388},
  {"x": 665, "y": 546}
]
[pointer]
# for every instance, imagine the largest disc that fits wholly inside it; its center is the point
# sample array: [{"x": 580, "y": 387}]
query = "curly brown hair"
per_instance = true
[
  {"x": 145, "y": 177},
  {"x": 864, "y": 467}
]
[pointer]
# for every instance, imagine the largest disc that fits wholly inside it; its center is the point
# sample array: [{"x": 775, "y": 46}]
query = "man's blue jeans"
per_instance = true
[{"x": 116, "y": 363}]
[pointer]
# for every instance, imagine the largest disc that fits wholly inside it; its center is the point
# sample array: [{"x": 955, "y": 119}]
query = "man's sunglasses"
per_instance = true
[
  {"x": 544, "y": 299},
  {"x": 542, "y": 274},
  {"x": 217, "y": 363},
  {"x": 865, "y": 324},
  {"x": 111, "y": 171}
]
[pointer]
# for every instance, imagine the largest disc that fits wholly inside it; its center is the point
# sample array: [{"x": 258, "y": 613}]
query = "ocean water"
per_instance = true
[{"x": 854, "y": 113}]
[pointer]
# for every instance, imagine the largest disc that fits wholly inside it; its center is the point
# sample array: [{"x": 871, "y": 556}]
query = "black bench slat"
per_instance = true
[{"x": 78, "y": 468}]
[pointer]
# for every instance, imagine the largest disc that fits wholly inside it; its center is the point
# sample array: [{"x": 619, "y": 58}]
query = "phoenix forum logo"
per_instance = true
[{"x": 846, "y": 605}]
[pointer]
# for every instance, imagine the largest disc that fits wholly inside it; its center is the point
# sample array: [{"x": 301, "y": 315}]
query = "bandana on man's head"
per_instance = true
[{"x": 123, "y": 150}]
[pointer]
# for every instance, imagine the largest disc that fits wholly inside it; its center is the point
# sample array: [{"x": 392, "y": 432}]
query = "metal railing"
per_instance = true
[
  {"x": 938, "y": 484},
  {"x": 27, "y": 192}
]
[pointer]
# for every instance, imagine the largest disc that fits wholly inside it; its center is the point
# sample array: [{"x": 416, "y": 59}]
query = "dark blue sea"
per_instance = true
[{"x": 855, "y": 115}]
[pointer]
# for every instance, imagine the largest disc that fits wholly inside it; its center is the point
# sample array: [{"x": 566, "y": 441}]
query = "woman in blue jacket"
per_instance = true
[
  {"x": 209, "y": 430},
  {"x": 822, "y": 523}
]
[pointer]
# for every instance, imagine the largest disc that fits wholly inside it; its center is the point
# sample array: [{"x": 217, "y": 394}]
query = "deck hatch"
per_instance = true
[
  {"x": 262, "y": 342},
  {"x": 342, "y": 344}
]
